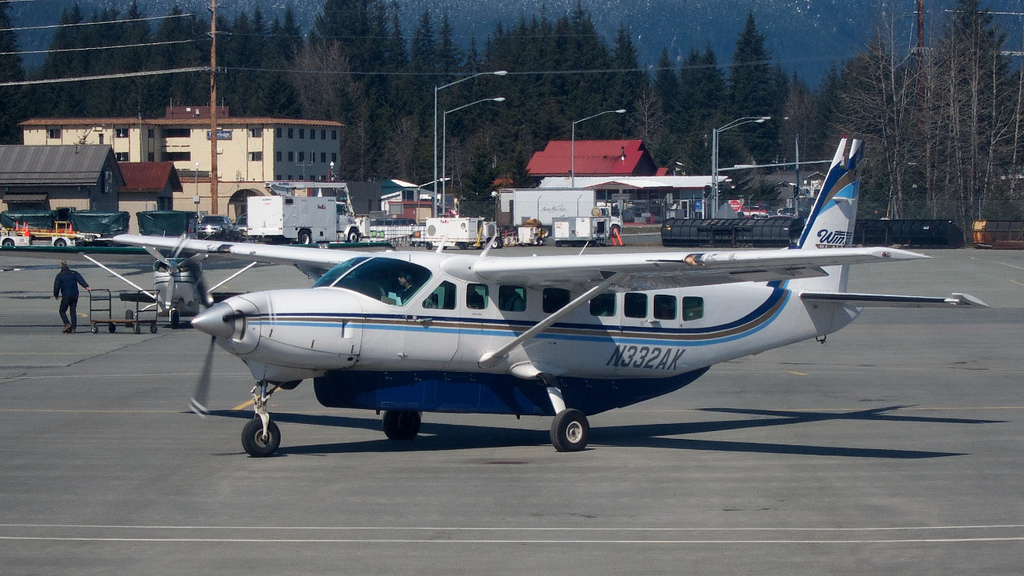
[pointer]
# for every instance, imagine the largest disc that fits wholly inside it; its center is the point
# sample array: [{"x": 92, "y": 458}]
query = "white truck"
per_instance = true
[
  {"x": 349, "y": 227},
  {"x": 517, "y": 206},
  {"x": 462, "y": 233},
  {"x": 300, "y": 219}
]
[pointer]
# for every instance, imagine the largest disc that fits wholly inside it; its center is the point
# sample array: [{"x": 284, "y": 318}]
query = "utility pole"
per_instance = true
[{"x": 213, "y": 107}]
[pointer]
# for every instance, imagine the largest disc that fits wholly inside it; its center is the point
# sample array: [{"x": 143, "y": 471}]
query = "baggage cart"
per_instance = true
[{"x": 140, "y": 309}]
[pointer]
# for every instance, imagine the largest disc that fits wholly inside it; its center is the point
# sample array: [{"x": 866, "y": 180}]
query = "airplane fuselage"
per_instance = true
[{"x": 375, "y": 349}]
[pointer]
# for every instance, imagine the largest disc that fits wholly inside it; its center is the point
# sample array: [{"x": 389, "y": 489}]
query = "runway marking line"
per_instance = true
[{"x": 432, "y": 538}]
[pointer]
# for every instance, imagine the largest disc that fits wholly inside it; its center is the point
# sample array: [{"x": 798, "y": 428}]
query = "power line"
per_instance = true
[
  {"x": 91, "y": 48},
  {"x": 106, "y": 76},
  {"x": 75, "y": 24}
]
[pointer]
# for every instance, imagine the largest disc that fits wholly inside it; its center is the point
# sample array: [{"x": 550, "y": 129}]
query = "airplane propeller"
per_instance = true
[{"x": 197, "y": 402}]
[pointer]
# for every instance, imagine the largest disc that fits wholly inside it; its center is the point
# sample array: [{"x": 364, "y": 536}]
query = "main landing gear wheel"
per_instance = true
[
  {"x": 257, "y": 444},
  {"x": 401, "y": 424},
  {"x": 570, "y": 431}
]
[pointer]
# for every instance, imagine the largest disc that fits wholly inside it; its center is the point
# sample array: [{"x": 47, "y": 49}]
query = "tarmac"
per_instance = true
[{"x": 893, "y": 448}]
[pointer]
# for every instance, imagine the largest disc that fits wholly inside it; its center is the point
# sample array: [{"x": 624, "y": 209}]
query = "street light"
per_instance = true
[
  {"x": 714, "y": 152},
  {"x": 436, "y": 89},
  {"x": 572, "y": 143},
  {"x": 196, "y": 197},
  {"x": 444, "y": 135}
]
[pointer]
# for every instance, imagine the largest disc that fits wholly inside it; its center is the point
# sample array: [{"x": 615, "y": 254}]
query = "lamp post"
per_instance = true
[
  {"x": 196, "y": 197},
  {"x": 436, "y": 90},
  {"x": 444, "y": 137},
  {"x": 714, "y": 152},
  {"x": 572, "y": 143}
]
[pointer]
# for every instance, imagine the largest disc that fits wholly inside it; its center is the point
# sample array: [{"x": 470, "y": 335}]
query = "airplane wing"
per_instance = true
[
  {"x": 58, "y": 253},
  {"x": 311, "y": 260},
  {"x": 652, "y": 270}
]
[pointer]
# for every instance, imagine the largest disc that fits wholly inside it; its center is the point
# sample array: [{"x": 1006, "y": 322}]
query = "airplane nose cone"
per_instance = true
[{"x": 217, "y": 320}]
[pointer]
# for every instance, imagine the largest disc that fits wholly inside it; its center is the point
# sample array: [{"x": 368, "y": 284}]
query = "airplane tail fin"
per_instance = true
[{"x": 833, "y": 217}]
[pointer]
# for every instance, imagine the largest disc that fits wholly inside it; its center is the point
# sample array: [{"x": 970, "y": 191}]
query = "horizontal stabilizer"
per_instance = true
[{"x": 890, "y": 300}]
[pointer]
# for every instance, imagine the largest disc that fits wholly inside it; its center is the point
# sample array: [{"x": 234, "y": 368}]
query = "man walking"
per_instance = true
[{"x": 65, "y": 287}]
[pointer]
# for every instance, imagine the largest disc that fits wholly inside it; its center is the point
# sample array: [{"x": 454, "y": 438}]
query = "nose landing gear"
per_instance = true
[{"x": 260, "y": 436}]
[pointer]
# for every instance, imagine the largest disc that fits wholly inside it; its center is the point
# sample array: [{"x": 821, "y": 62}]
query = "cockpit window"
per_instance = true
[
  {"x": 389, "y": 280},
  {"x": 338, "y": 271}
]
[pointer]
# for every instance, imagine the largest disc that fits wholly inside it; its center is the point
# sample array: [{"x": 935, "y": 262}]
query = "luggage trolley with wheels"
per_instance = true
[{"x": 101, "y": 311}]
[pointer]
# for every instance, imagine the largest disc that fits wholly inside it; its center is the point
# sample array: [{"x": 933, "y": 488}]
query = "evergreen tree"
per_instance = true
[
  {"x": 11, "y": 70},
  {"x": 178, "y": 89},
  {"x": 285, "y": 44},
  {"x": 629, "y": 82},
  {"x": 702, "y": 95},
  {"x": 756, "y": 88},
  {"x": 61, "y": 99}
]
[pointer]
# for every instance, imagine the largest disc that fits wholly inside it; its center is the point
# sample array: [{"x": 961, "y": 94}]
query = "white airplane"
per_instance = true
[{"x": 563, "y": 336}]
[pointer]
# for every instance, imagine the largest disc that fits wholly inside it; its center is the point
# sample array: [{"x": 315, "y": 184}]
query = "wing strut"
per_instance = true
[
  {"x": 492, "y": 357},
  {"x": 129, "y": 282}
]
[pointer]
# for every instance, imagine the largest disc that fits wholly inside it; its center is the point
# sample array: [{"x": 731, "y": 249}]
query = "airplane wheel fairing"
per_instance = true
[
  {"x": 570, "y": 431},
  {"x": 401, "y": 424},
  {"x": 253, "y": 441}
]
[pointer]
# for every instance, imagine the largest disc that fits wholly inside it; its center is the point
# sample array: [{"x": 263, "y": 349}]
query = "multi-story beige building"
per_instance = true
[{"x": 250, "y": 150}]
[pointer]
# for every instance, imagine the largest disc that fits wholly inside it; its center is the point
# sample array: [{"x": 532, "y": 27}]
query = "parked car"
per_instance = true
[{"x": 217, "y": 228}]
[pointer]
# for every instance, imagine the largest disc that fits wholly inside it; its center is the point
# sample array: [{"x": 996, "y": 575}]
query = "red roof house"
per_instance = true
[
  {"x": 148, "y": 186},
  {"x": 593, "y": 158}
]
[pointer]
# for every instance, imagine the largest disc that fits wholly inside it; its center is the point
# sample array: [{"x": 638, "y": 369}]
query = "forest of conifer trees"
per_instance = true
[{"x": 943, "y": 126}]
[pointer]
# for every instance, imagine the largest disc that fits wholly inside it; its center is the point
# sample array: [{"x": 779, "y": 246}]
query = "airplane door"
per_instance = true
[{"x": 432, "y": 334}]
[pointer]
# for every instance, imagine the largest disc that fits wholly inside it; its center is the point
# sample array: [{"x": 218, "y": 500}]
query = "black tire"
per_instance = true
[
  {"x": 137, "y": 328},
  {"x": 353, "y": 237},
  {"x": 8, "y": 242},
  {"x": 60, "y": 243},
  {"x": 95, "y": 329},
  {"x": 305, "y": 237},
  {"x": 428, "y": 245},
  {"x": 152, "y": 328},
  {"x": 570, "y": 431},
  {"x": 497, "y": 243},
  {"x": 175, "y": 319},
  {"x": 401, "y": 424},
  {"x": 112, "y": 328},
  {"x": 253, "y": 441}
]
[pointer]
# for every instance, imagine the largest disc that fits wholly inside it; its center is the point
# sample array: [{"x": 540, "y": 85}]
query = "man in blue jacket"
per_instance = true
[{"x": 65, "y": 287}]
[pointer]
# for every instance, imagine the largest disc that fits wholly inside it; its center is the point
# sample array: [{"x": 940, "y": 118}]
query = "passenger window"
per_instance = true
[
  {"x": 512, "y": 298},
  {"x": 664, "y": 307},
  {"x": 443, "y": 297},
  {"x": 603, "y": 305},
  {"x": 634, "y": 305},
  {"x": 476, "y": 296},
  {"x": 693, "y": 308},
  {"x": 555, "y": 299}
]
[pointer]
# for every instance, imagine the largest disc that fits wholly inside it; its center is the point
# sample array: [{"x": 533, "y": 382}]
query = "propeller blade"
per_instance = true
[
  {"x": 156, "y": 254},
  {"x": 169, "y": 295},
  {"x": 180, "y": 245},
  {"x": 194, "y": 266},
  {"x": 197, "y": 402}
]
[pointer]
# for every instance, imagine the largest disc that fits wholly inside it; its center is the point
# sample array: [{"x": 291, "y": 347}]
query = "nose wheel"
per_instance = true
[
  {"x": 261, "y": 436},
  {"x": 259, "y": 443}
]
